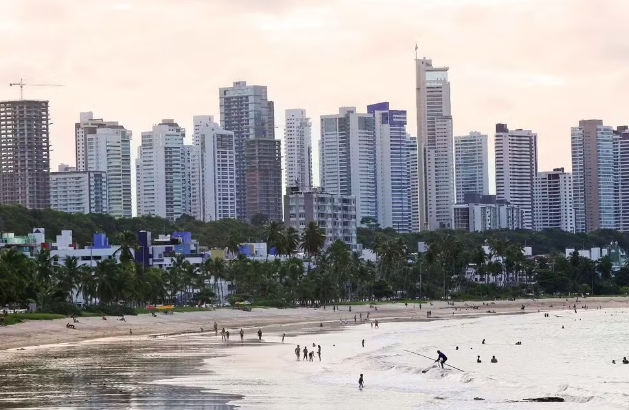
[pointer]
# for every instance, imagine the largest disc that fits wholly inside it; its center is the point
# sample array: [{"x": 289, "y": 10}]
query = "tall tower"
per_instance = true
[
  {"x": 25, "y": 155},
  {"x": 434, "y": 145},
  {"x": 161, "y": 171},
  {"x": 552, "y": 200},
  {"x": 247, "y": 112},
  {"x": 105, "y": 146},
  {"x": 411, "y": 143},
  {"x": 298, "y": 150},
  {"x": 392, "y": 156},
  {"x": 516, "y": 168},
  {"x": 471, "y": 165},
  {"x": 348, "y": 159}
]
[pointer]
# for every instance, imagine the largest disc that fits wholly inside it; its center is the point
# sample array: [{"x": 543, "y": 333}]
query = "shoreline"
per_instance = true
[{"x": 44, "y": 334}]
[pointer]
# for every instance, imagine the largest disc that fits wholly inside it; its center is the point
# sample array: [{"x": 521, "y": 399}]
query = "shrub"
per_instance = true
[
  {"x": 111, "y": 310},
  {"x": 62, "y": 308}
]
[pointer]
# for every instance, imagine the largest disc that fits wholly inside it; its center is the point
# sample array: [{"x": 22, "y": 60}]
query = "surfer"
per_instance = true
[{"x": 441, "y": 359}]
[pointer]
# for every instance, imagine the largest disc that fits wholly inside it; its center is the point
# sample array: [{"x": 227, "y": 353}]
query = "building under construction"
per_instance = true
[{"x": 25, "y": 154}]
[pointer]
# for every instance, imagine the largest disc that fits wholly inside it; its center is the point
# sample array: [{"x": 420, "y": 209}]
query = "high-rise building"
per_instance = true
[
  {"x": 552, "y": 200},
  {"x": 516, "y": 168},
  {"x": 213, "y": 171},
  {"x": 621, "y": 150},
  {"x": 298, "y": 149},
  {"x": 161, "y": 171},
  {"x": 593, "y": 176},
  {"x": 435, "y": 145},
  {"x": 392, "y": 173},
  {"x": 247, "y": 112},
  {"x": 479, "y": 213},
  {"x": 105, "y": 146},
  {"x": 79, "y": 192},
  {"x": 411, "y": 142},
  {"x": 471, "y": 165},
  {"x": 334, "y": 213},
  {"x": 25, "y": 154},
  {"x": 347, "y": 162}
]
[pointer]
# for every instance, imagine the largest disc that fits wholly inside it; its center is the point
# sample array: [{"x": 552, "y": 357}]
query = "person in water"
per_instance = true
[
  {"x": 494, "y": 360},
  {"x": 441, "y": 359},
  {"x": 361, "y": 382},
  {"x": 478, "y": 360},
  {"x": 625, "y": 361}
]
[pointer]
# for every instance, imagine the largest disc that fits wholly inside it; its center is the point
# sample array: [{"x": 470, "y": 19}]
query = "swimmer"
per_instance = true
[{"x": 494, "y": 360}]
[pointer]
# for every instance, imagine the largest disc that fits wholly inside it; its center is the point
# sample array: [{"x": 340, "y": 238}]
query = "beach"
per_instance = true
[{"x": 169, "y": 362}]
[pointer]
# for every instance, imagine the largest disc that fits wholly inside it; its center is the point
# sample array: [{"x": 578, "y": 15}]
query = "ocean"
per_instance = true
[{"x": 198, "y": 372}]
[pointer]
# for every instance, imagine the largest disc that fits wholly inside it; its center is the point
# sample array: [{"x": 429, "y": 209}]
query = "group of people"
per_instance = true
[
  {"x": 308, "y": 355},
  {"x": 493, "y": 359},
  {"x": 225, "y": 334}
]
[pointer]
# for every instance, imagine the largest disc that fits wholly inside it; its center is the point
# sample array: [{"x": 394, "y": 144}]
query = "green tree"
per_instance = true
[{"x": 313, "y": 239}]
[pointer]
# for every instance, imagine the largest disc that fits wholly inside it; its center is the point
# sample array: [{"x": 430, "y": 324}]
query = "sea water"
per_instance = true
[{"x": 567, "y": 355}]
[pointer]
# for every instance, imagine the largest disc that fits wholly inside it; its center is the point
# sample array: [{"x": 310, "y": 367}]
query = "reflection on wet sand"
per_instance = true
[{"x": 113, "y": 375}]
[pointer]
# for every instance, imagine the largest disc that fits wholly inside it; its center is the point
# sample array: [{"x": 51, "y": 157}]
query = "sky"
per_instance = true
[{"x": 533, "y": 64}]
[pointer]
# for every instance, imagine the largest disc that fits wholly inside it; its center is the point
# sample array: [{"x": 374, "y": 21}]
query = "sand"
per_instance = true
[{"x": 273, "y": 321}]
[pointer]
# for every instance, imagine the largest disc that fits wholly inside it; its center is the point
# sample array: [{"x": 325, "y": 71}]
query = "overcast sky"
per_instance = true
[{"x": 536, "y": 64}]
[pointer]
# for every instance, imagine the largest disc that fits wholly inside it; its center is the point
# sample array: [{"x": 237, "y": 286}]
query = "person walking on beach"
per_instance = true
[
  {"x": 227, "y": 335},
  {"x": 377, "y": 324},
  {"x": 441, "y": 359},
  {"x": 259, "y": 335},
  {"x": 283, "y": 336},
  {"x": 354, "y": 318},
  {"x": 305, "y": 353},
  {"x": 242, "y": 334},
  {"x": 223, "y": 334},
  {"x": 215, "y": 329},
  {"x": 319, "y": 351},
  {"x": 361, "y": 382},
  {"x": 297, "y": 352}
]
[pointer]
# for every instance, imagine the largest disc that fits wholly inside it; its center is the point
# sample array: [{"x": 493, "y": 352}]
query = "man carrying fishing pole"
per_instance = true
[{"x": 441, "y": 359}]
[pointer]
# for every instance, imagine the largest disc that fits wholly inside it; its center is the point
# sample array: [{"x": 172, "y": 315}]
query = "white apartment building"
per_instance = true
[
  {"x": 348, "y": 158},
  {"x": 516, "y": 168},
  {"x": 552, "y": 201},
  {"x": 213, "y": 171},
  {"x": 161, "y": 171},
  {"x": 298, "y": 149},
  {"x": 435, "y": 145},
  {"x": 471, "y": 165},
  {"x": 487, "y": 214},
  {"x": 621, "y": 153},
  {"x": 105, "y": 146},
  {"x": 82, "y": 192},
  {"x": 392, "y": 173},
  {"x": 334, "y": 213},
  {"x": 414, "y": 181}
]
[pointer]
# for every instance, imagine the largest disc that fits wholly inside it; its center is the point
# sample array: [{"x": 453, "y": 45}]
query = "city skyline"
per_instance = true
[{"x": 125, "y": 81}]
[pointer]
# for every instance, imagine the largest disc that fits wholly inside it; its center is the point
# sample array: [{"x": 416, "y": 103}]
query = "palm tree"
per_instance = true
[
  {"x": 274, "y": 233},
  {"x": 232, "y": 245},
  {"x": 128, "y": 244},
  {"x": 70, "y": 275},
  {"x": 313, "y": 239},
  {"x": 291, "y": 241}
]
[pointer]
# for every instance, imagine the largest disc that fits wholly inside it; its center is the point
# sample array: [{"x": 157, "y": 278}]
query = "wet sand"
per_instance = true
[{"x": 37, "y": 333}]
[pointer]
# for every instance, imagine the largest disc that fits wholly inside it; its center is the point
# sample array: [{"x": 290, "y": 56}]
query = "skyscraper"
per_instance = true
[
  {"x": 552, "y": 200},
  {"x": 392, "y": 173},
  {"x": 298, "y": 150},
  {"x": 213, "y": 171},
  {"x": 105, "y": 146},
  {"x": 414, "y": 181},
  {"x": 594, "y": 188},
  {"x": 25, "y": 155},
  {"x": 347, "y": 163},
  {"x": 471, "y": 165},
  {"x": 516, "y": 168},
  {"x": 246, "y": 110},
  {"x": 435, "y": 145},
  {"x": 161, "y": 171},
  {"x": 621, "y": 152},
  {"x": 78, "y": 192}
]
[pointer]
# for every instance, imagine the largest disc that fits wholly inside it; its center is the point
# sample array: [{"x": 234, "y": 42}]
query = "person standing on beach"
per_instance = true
[
  {"x": 319, "y": 351},
  {"x": 223, "y": 334},
  {"x": 215, "y": 329},
  {"x": 297, "y": 352},
  {"x": 242, "y": 334},
  {"x": 259, "y": 335},
  {"x": 227, "y": 335},
  {"x": 354, "y": 318},
  {"x": 363, "y": 342},
  {"x": 283, "y": 336},
  {"x": 305, "y": 353}
]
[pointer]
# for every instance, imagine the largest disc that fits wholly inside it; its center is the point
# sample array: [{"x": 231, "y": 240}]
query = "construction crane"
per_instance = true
[{"x": 21, "y": 84}]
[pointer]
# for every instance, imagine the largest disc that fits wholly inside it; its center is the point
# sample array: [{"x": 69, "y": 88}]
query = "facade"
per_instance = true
[
  {"x": 247, "y": 112},
  {"x": 471, "y": 165},
  {"x": 79, "y": 192},
  {"x": 594, "y": 189},
  {"x": 161, "y": 171},
  {"x": 621, "y": 153},
  {"x": 65, "y": 168},
  {"x": 414, "y": 182},
  {"x": 25, "y": 154},
  {"x": 434, "y": 145},
  {"x": 347, "y": 162},
  {"x": 392, "y": 172},
  {"x": 483, "y": 213},
  {"x": 213, "y": 171},
  {"x": 298, "y": 150},
  {"x": 334, "y": 213},
  {"x": 516, "y": 168},
  {"x": 552, "y": 200},
  {"x": 105, "y": 146}
]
